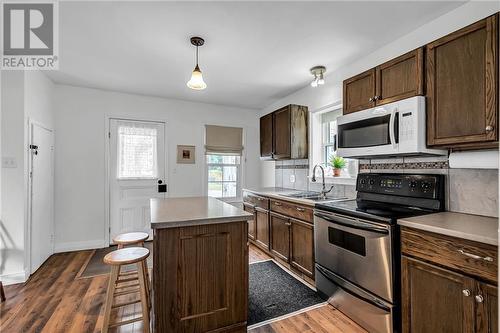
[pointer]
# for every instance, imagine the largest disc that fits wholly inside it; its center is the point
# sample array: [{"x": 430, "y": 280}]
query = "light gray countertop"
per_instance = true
[
  {"x": 190, "y": 211},
  {"x": 477, "y": 228},
  {"x": 280, "y": 193}
]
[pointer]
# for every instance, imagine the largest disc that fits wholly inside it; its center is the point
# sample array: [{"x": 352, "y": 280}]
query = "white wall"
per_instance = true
[
  {"x": 80, "y": 153},
  {"x": 24, "y": 95},
  {"x": 331, "y": 92}
]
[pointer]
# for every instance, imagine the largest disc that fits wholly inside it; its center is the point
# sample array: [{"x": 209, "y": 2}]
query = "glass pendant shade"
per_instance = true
[{"x": 196, "y": 81}]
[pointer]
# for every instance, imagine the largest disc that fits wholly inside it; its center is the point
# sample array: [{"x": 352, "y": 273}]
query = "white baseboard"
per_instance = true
[
  {"x": 76, "y": 246},
  {"x": 13, "y": 278}
]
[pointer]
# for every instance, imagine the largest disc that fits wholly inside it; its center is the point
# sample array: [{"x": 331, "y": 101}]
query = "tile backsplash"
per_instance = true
[{"x": 472, "y": 191}]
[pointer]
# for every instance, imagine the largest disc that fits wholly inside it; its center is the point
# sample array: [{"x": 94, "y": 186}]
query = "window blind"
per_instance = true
[{"x": 223, "y": 139}]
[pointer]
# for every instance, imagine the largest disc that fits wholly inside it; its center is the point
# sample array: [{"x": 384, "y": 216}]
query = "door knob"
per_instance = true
[
  {"x": 479, "y": 298},
  {"x": 489, "y": 128},
  {"x": 466, "y": 292}
]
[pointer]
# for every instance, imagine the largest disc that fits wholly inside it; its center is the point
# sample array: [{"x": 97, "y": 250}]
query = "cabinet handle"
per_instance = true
[
  {"x": 277, "y": 203},
  {"x": 479, "y": 298},
  {"x": 475, "y": 256},
  {"x": 260, "y": 199},
  {"x": 288, "y": 223},
  {"x": 466, "y": 292},
  {"x": 300, "y": 209},
  {"x": 489, "y": 128}
]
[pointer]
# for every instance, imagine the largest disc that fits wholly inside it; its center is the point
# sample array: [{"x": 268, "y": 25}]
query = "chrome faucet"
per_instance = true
[{"x": 323, "y": 191}]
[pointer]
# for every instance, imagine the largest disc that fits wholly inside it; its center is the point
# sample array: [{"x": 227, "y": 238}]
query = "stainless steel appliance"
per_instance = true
[
  {"x": 388, "y": 130},
  {"x": 357, "y": 245}
]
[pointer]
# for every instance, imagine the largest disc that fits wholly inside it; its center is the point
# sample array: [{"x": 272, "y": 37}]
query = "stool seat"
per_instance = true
[
  {"x": 125, "y": 256},
  {"x": 130, "y": 238}
]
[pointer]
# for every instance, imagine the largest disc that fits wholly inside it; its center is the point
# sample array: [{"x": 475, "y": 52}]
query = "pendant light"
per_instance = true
[
  {"x": 318, "y": 72},
  {"x": 196, "y": 81}
]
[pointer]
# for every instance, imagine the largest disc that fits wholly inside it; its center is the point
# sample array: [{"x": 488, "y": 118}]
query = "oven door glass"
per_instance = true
[{"x": 368, "y": 132}]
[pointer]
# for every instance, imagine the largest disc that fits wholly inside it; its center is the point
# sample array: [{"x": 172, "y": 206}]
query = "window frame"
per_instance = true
[
  {"x": 239, "y": 173},
  {"x": 318, "y": 147}
]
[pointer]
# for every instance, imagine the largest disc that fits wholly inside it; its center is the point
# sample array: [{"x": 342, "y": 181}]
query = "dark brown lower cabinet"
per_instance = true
[
  {"x": 302, "y": 246},
  {"x": 280, "y": 236},
  {"x": 251, "y": 223},
  {"x": 435, "y": 299},
  {"x": 262, "y": 228}
]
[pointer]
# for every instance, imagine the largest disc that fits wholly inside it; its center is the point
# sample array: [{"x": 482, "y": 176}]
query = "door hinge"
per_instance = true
[{"x": 109, "y": 135}]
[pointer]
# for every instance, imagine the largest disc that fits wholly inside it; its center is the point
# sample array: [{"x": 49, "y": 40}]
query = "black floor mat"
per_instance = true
[{"x": 274, "y": 293}]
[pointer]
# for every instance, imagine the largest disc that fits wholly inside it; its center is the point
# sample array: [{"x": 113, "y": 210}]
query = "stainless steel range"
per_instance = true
[{"x": 357, "y": 245}]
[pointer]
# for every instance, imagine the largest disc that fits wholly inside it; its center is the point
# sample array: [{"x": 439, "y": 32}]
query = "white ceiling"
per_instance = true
[{"x": 254, "y": 52}]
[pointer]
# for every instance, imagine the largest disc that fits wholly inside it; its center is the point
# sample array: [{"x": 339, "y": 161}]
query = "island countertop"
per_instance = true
[{"x": 190, "y": 211}]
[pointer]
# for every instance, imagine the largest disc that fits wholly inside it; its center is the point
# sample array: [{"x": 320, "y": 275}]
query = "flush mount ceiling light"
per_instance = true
[
  {"x": 196, "y": 81},
  {"x": 318, "y": 72}
]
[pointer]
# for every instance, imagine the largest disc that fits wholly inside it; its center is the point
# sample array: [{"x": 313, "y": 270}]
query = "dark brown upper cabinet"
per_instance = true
[
  {"x": 394, "y": 80},
  {"x": 400, "y": 78},
  {"x": 284, "y": 133},
  {"x": 359, "y": 92},
  {"x": 462, "y": 87}
]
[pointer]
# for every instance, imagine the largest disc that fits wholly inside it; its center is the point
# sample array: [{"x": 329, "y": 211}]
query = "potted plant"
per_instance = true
[{"x": 338, "y": 163}]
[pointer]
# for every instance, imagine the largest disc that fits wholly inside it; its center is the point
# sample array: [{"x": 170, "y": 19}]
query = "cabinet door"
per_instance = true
[
  {"x": 282, "y": 133},
  {"x": 266, "y": 136},
  {"x": 251, "y": 223},
  {"x": 359, "y": 92},
  {"x": 462, "y": 92},
  {"x": 435, "y": 299},
  {"x": 280, "y": 236},
  {"x": 487, "y": 308},
  {"x": 302, "y": 246},
  {"x": 262, "y": 228},
  {"x": 400, "y": 78}
]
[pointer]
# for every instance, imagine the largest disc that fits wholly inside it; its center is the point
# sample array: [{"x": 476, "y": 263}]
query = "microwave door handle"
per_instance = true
[{"x": 392, "y": 134}]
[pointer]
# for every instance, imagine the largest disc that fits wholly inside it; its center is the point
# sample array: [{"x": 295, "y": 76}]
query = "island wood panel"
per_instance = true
[
  {"x": 445, "y": 250},
  {"x": 400, "y": 78},
  {"x": 462, "y": 86},
  {"x": 433, "y": 299},
  {"x": 200, "y": 278},
  {"x": 266, "y": 136},
  {"x": 359, "y": 92},
  {"x": 251, "y": 223}
]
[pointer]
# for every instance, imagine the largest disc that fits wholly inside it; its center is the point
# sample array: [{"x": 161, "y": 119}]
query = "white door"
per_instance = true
[
  {"x": 137, "y": 165},
  {"x": 42, "y": 195}
]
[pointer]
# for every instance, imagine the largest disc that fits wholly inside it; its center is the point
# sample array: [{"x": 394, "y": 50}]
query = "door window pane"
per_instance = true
[
  {"x": 214, "y": 173},
  {"x": 215, "y": 190},
  {"x": 229, "y": 190},
  {"x": 137, "y": 152},
  {"x": 229, "y": 173}
]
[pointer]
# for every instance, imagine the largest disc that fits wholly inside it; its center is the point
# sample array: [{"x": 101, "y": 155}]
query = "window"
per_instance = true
[
  {"x": 137, "y": 153},
  {"x": 324, "y": 143},
  {"x": 223, "y": 175}
]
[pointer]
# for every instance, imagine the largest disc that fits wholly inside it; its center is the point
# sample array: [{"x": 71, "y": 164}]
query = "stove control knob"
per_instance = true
[
  {"x": 426, "y": 185},
  {"x": 363, "y": 181},
  {"x": 413, "y": 184},
  {"x": 372, "y": 182}
]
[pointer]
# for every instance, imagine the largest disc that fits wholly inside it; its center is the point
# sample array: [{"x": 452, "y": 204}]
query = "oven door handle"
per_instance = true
[
  {"x": 392, "y": 132},
  {"x": 351, "y": 223},
  {"x": 365, "y": 297}
]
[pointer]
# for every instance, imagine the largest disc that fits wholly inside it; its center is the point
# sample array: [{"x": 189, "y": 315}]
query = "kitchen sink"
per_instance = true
[{"x": 310, "y": 195}]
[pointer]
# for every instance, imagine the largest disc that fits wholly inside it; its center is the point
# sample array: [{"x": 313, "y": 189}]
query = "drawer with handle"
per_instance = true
[
  {"x": 293, "y": 210},
  {"x": 463, "y": 255},
  {"x": 256, "y": 200}
]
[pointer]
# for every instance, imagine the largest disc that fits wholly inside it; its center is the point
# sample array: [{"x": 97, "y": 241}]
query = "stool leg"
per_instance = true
[
  {"x": 2, "y": 293},
  {"x": 148, "y": 284},
  {"x": 109, "y": 297},
  {"x": 144, "y": 296}
]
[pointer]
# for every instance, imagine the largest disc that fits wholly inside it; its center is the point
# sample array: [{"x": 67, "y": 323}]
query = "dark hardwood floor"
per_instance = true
[{"x": 53, "y": 300}]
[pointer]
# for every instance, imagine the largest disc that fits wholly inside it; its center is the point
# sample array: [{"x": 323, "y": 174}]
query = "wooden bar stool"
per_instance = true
[
  {"x": 135, "y": 239},
  {"x": 123, "y": 285},
  {"x": 130, "y": 238}
]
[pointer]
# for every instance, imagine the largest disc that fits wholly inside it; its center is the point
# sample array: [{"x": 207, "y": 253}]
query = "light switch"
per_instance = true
[
  {"x": 292, "y": 178},
  {"x": 9, "y": 162}
]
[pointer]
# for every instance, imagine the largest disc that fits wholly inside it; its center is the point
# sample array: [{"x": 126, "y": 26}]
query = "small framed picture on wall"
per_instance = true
[{"x": 185, "y": 154}]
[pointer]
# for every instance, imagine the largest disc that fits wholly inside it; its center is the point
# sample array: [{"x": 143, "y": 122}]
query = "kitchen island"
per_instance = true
[{"x": 200, "y": 265}]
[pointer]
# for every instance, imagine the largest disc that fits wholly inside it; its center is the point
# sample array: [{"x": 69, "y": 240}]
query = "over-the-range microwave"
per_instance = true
[{"x": 394, "y": 129}]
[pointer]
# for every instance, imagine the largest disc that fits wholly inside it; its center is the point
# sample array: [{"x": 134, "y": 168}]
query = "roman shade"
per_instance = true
[{"x": 223, "y": 140}]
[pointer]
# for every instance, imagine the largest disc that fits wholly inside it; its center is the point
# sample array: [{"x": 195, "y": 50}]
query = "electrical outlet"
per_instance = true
[
  {"x": 292, "y": 178},
  {"x": 9, "y": 162}
]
